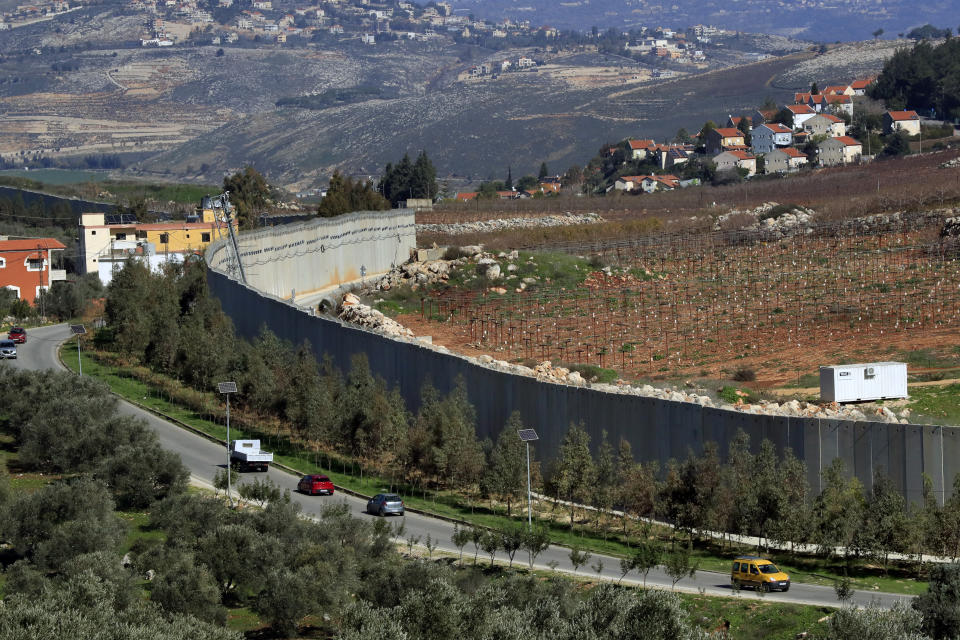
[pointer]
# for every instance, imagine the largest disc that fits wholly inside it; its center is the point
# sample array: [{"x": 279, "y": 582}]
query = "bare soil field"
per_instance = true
[{"x": 682, "y": 301}]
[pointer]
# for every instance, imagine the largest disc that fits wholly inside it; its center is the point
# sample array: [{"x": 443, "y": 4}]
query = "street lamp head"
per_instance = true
[{"x": 227, "y": 387}]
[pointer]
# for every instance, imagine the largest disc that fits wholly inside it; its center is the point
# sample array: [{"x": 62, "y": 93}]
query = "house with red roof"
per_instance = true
[
  {"x": 825, "y": 124},
  {"x": 906, "y": 121},
  {"x": 838, "y": 104},
  {"x": 736, "y": 159},
  {"x": 860, "y": 86},
  {"x": 838, "y": 151},
  {"x": 719, "y": 140},
  {"x": 26, "y": 265},
  {"x": 784, "y": 160},
  {"x": 769, "y": 136},
  {"x": 800, "y": 113},
  {"x": 641, "y": 149},
  {"x": 465, "y": 196}
]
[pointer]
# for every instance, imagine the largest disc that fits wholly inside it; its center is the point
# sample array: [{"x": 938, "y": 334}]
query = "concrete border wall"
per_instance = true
[{"x": 656, "y": 429}]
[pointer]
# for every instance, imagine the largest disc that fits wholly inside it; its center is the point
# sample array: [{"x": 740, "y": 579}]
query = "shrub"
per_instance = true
[{"x": 744, "y": 375}]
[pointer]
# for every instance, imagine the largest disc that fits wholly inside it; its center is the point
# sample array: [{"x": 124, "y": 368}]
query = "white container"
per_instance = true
[{"x": 863, "y": 382}]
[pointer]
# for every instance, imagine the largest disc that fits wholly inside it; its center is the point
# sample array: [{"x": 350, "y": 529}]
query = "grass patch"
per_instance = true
[
  {"x": 751, "y": 620},
  {"x": 938, "y": 405},
  {"x": 604, "y": 536},
  {"x": 244, "y": 619}
]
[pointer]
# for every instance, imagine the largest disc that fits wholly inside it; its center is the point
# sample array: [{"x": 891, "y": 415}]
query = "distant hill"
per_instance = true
[
  {"x": 476, "y": 131},
  {"x": 818, "y": 20}
]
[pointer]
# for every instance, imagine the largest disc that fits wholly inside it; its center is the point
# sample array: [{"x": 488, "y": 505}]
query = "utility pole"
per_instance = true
[{"x": 225, "y": 201}]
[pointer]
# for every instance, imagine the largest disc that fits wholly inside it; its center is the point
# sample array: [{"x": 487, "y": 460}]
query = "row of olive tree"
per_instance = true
[
  {"x": 170, "y": 323},
  {"x": 759, "y": 494}
]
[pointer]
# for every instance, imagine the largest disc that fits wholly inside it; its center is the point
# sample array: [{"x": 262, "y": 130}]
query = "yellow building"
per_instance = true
[{"x": 107, "y": 241}]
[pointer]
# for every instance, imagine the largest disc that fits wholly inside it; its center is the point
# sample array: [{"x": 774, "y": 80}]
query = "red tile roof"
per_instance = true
[
  {"x": 848, "y": 141},
  {"x": 898, "y": 116},
  {"x": 776, "y": 127},
  {"x": 640, "y": 144},
  {"x": 742, "y": 155},
  {"x": 793, "y": 153},
  {"x": 466, "y": 195},
  {"x": 30, "y": 243},
  {"x": 799, "y": 109},
  {"x": 729, "y": 132},
  {"x": 862, "y": 84}
]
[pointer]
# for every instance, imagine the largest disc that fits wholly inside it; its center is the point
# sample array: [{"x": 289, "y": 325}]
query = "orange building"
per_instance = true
[{"x": 25, "y": 266}]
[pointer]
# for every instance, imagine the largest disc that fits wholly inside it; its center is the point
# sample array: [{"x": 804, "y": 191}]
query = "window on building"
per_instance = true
[
  {"x": 35, "y": 264},
  {"x": 94, "y": 232},
  {"x": 121, "y": 236},
  {"x": 205, "y": 237},
  {"x": 164, "y": 238},
  {"x": 188, "y": 236},
  {"x": 3, "y": 263},
  {"x": 141, "y": 235}
]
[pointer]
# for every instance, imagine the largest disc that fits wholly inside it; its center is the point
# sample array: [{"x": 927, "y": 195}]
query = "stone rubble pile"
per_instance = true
[
  {"x": 949, "y": 164},
  {"x": 546, "y": 372},
  {"x": 951, "y": 228},
  {"x": 500, "y": 224},
  {"x": 417, "y": 274},
  {"x": 797, "y": 221},
  {"x": 353, "y": 311}
]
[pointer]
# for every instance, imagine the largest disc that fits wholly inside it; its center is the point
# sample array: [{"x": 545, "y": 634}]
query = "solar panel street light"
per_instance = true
[
  {"x": 226, "y": 388},
  {"x": 527, "y": 436},
  {"x": 78, "y": 330}
]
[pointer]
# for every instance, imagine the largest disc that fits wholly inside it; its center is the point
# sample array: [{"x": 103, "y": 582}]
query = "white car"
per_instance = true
[{"x": 8, "y": 349}]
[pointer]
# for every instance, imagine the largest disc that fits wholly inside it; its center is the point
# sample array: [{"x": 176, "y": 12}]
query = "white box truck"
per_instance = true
[
  {"x": 245, "y": 455},
  {"x": 863, "y": 382}
]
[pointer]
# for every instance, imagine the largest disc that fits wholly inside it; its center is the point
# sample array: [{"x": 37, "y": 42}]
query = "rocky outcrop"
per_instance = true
[
  {"x": 951, "y": 228},
  {"x": 353, "y": 311},
  {"x": 501, "y": 224},
  {"x": 769, "y": 226}
]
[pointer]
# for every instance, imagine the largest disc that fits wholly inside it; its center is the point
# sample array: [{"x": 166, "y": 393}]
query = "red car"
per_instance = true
[
  {"x": 18, "y": 334},
  {"x": 315, "y": 484}
]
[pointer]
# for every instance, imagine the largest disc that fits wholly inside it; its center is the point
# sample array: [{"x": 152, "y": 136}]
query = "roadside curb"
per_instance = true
[{"x": 277, "y": 465}]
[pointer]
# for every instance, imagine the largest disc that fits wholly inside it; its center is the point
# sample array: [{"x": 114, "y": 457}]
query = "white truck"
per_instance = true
[{"x": 246, "y": 455}]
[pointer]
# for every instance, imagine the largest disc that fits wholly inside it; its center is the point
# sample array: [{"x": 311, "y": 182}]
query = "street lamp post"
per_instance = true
[
  {"x": 226, "y": 388},
  {"x": 78, "y": 330},
  {"x": 527, "y": 436}
]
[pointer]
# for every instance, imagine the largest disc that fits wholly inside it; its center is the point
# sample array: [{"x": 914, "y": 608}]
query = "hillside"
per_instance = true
[
  {"x": 817, "y": 20},
  {"x": 477, "y": 130}
]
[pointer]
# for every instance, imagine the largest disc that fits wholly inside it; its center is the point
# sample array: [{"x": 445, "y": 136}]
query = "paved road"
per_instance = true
[{"x": 205, "y": 458}]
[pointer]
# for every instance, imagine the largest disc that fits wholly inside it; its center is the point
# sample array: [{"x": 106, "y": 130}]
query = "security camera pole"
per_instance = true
[
  {"x": 528, "y": 436},
  {"x": 226, "y": 388}
]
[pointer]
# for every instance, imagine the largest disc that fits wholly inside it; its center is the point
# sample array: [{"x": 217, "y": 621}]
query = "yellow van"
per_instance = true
[{"x": 759, "y": 573}]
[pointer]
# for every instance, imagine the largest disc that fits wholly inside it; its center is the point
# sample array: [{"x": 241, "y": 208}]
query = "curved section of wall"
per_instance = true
[
  {"x": 299, "y": 260},
  {"x": 656, "y": 429}
]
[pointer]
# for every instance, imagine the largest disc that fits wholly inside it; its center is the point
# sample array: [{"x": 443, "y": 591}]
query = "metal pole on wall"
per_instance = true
[{"x": 528, "y": 436}]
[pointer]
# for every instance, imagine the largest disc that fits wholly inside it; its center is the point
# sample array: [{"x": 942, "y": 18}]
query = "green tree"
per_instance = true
[
  {"x": 345, "y": 195},
  {"x": 898, "y": 144},
  {"x": 887, "y": 527},
  {"x": 940, "y": 605},
  {"x": 578, "y": 557},
  {"x": 506, "y": 475},
  {"x": 679, "y": 564},
  {"x": 573, "y": 468},
  {"x": 511, "y": 539},
  {"x": 838, "y": 510},
  {"x": 544, "y": 172},
  {"x": 648, "y": 555},
  {"x": 460, "y": 538},
  {"x": 288, "y": 597},
  {"x": 535, "y": 542},
  {"x": 896, "y": 623},
  {"x": 187, "y": 587},
  {"x": 249, "y": 193}
]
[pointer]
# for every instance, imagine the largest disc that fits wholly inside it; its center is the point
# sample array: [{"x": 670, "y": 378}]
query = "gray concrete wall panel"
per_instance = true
[{"x": 657, "y": 430}]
